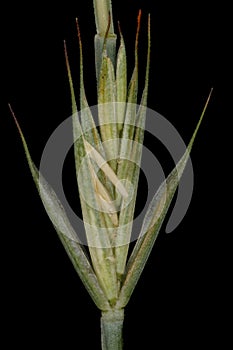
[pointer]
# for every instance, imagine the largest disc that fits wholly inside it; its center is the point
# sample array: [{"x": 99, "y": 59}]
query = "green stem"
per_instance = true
[
  {"x": 110, "y": 43},
  {"x": 111, "y": 329},
  {"x": 103, "y": 8}
]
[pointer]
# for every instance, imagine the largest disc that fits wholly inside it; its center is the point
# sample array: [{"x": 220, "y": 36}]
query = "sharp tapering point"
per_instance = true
[
  {"x": 78, "y": 30},
  {"x": 138, "y": 28},
  {"x": 119, "y": 27},
  {"x": 208, "y": 100},
  {"x": 139, "y": 19},
  {"x": 15, "y": 119},
  {"x": 65, "y": 49},
  {"x": 66, "y": 58}
]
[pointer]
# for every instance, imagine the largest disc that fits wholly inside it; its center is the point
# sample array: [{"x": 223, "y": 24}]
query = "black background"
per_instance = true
[{"x": 177, "y": 302}]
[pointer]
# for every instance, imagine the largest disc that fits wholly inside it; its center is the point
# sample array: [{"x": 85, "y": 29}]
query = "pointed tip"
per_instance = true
[
  {"x": 210, "y": 94},
  {"x": 10, "y": 108},
  {"x": 138, "y": 30},
  {"x": 67, "y": 60},
  {"x": 139, "y": 22},
  {"x": 15, "y": 119},
  {"x": 65, "y": 51},
  {"x": 74, "y": 107},
  {"x": 78, "y": 31},
  {"x": 190, "y": 145},
  {"x": 119, "y": 27},
  {"x": 149, "y": 20},
  {"x": 208, "y": 100},
  {"x": 120, "y": 33},
  {"x": 12, "y": 112},
  {"x": 139, "y": 16}
]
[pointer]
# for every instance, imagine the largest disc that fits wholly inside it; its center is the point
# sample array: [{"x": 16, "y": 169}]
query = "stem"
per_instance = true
[
  {"x": 103, "y": 9},
  {"x": 110, "y": 43},
  {"x": 111, "y": 329}
]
